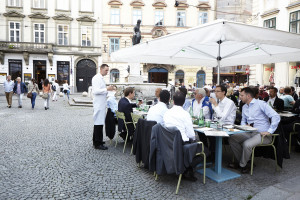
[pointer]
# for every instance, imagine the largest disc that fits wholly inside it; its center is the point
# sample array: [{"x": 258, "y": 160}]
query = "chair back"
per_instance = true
[
  {"x": 135, "y": 118},
  {"x": 120, "y": 115}
]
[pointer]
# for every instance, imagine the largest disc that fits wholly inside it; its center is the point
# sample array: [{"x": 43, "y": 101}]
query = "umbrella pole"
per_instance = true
[{"x": 219, "y": 59}]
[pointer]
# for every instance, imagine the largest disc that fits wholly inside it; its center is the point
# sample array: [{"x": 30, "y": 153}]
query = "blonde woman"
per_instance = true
[{"x": 230, "y": 95}]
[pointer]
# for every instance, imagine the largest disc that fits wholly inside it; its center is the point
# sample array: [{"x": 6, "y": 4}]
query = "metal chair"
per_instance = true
[
  {"x": 294, "y": 132},
  {"x": 121, "y": 115},
  {"x": 180, "y": 176},
  {"x": 135, "y": 118},
  {"x": 265, "y": 145}
]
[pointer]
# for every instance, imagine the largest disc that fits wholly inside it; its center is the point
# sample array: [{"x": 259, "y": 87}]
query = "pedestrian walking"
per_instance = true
[
  {"x": 46, "y": 93},
  {"x": 55, "y": 88},
  {"x": 8, "y": 88},
  {"x": 33, "y": 88},
  {"x": 100, "y": 92},
  {"x": 19, "y": 89},
  {"x": 66, "y": 89}
]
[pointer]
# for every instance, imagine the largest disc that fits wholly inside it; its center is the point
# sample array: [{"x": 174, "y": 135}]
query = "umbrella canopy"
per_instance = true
[{"x": 220, "y": 43}]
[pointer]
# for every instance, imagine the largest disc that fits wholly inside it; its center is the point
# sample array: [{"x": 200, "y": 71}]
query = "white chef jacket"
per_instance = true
[
  {"x": 99, "y": 102},
  {"x": 181, "y": 119}
]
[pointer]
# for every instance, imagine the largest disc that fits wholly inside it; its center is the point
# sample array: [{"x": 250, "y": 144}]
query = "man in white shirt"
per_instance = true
[
  {"x": 225, "y": 110},
  {"x": 180, "y": 118},
  {"x": 157, "y": 112},
  {"x": 8, "y": 88},
  {"x": 201, "y": 101}
]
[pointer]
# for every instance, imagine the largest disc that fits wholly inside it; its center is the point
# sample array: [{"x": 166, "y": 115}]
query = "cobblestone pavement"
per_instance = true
[{"x": 49, "y": 155}]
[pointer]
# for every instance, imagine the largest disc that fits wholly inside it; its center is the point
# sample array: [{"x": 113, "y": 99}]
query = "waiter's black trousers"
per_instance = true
[{"x": 98, "y": 135}]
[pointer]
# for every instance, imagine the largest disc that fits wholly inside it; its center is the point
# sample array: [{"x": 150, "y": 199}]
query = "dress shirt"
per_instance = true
[
  {"x": 186, "y": 105},
  {"x": 157, "y": 112},
  {"x": 271, "y": 100},
  {"x": 182, "y": 120},
  {"x": 287, "y": 100},
  {"x": 18, "y": 88},
  {"x": 226, "y": 110},
  {"x": 8, "y": 86},
  {"x": 197, "y": 107},
  {"x": 259, "y": 113}
]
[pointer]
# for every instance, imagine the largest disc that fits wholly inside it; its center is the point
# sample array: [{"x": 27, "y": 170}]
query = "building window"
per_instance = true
[
  {"x": 136, "y": 15},
  {"x": 14, "y": 31},
  {"x": 86, "y": 36},
  {"x": 295, "y": 22},
  {"x": 39, "y": 3},
  {"x": 179, "y": 77},
  {"x": 114, "y": 76},
  {"x": 15, "y": 68},
  {"x": 115, "y": 16},
  {"x": 86, "y": 5},
  {"x": 62, "y": 4},
  {"x": 14, "y": 3},
  {"x": 181, "y": 18},
  {"x": 200, "y": 79},
  {"x": 159, "y": 17},
  {"x": 114, "y": 44},
  {"x": 63, "y": 74},
  {"x": 39, "y": 33},
  {"x": 63, "y": 34},
  {"x": 203, "y": 18},
  {"x": 270, "y": 23}
]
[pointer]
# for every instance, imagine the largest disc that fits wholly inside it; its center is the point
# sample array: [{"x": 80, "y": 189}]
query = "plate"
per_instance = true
[{"x": 246, "y": 128}]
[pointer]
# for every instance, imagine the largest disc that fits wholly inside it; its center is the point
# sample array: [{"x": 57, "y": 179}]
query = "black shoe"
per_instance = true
[
  {"x": 233, "y": 165},
  {"x": 189, "y": 177},
  {"x": 101, "y": 147},
  {"x": 19, "y": 106},
  {"x": 245, "y": 170},
  {"x": 45, "y": 108},
  {"x": 123, "y": 136},
  {"x": 9, "y": 106}
]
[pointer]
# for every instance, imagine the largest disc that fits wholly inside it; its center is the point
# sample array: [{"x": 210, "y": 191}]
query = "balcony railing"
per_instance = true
[{"x": 26, "y": 46}]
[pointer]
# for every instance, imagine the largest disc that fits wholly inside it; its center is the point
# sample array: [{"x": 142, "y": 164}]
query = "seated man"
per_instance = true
[
  {"x": 255, "y": 113},
  {"x": 201, "y": 101},
  {"x": 187, "y": 103},
  {"x": 126, "y": 106},
  {"x": 157, "y": 112},
  {"x": 273, "y": 100},
  {"x": 157, "y": 92},
  {"x": 287, "y": 98},
  {"x": 225, "y": 110},
  {"x": 179, "y": 118}
]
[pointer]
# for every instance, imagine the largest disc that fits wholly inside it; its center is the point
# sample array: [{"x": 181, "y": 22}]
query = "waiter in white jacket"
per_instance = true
[{"x": 99, "y": 90}]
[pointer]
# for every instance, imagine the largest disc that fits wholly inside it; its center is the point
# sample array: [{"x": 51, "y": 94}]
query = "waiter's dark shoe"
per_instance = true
[
  {"x": 101, "y": 147},
  {"x": 233, "y": 165},
  {"x": 189, "y": 176},
  {"x": 245, "y": 170}
]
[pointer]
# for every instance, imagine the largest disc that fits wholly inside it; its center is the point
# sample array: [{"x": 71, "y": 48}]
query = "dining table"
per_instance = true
[{"x": 218, "y": 173}]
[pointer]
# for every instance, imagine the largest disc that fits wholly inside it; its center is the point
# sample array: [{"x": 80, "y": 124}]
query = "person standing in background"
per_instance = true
[
  {"x": 8, "y": 88},
  {"x": 19, "y": 89}
]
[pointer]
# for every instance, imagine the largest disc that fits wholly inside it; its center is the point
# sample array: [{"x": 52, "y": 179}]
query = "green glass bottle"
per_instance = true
[{"x": 201, "y": 118}]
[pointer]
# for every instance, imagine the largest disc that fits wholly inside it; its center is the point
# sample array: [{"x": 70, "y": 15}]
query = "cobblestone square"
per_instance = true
[{"x": 49, "y": 155}]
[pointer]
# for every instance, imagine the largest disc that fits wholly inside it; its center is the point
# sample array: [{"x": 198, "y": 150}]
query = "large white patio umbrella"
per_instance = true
[{"x": 219, "y": 43}]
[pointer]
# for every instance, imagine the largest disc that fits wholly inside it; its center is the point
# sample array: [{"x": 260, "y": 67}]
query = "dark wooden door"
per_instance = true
[{"x": 85, "y": 71}]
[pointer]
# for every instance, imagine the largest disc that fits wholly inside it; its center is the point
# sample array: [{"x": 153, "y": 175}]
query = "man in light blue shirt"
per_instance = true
[
  {"x": 255, "y": 113},
  {"x": 8, "y": 88}
]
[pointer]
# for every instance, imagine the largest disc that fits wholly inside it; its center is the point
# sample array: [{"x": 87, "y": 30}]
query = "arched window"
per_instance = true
[
  {"x": 200, "y": 79},
  {"x": 179, "y": 77},
  {"x": 114, "y": 76}
]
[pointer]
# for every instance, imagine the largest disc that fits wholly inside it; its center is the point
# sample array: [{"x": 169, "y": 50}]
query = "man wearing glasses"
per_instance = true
[{"x": 225, "y": 110}]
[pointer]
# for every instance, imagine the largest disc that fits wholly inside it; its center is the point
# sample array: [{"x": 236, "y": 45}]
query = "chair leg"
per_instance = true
[
  {"x": 290, "y": 143},
  {"x": 125, "y": 143},
  {"x": 275, "y": 157},
  {"x": 156, "y": 176},
  {"x": 178, "y": 184},
  {"x": 117, "y": 140},
  {"x": 139, "y": 164},
  {"x": 204, "y": 167},
  {"x": 252, "y": 160},
  {"x": 131, "y": 149}
]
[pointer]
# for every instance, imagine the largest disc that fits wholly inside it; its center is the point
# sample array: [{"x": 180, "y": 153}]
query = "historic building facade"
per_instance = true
[
  {"x": 55, "y": 39},
  {"x": 281, "y": 15},
  {"x": 159, "y": 18}
]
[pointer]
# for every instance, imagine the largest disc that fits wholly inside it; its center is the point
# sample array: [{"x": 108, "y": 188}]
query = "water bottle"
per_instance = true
[
  {"x": 191, "y": 111},
  {"x": 201, "y": 118}
]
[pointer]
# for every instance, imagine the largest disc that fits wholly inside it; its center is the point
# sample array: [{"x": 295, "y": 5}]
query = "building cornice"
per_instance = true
[
  {"x": 270, "y": 12},
  {"x": 85, "y": 19},
  {"x": 293, "y": 5},
  {"x": 115, "y": 3},
  {"x": 203, "y": 6},
  {"x": 38, "y": 16},
  {"x": 137, "y": 3},
  {"x": 159, "y": 4},
  {"x": 62, "y": 17},
  {"x": 13, "y": 13}
]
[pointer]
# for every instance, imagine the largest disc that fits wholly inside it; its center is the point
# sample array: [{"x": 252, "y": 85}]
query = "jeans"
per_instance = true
[
  {"x": 68, "y": 92},
  {"x": 46, "y": 102},
  {"x": 33, "y": 99},
  {"x": 20, "y": 97}
]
